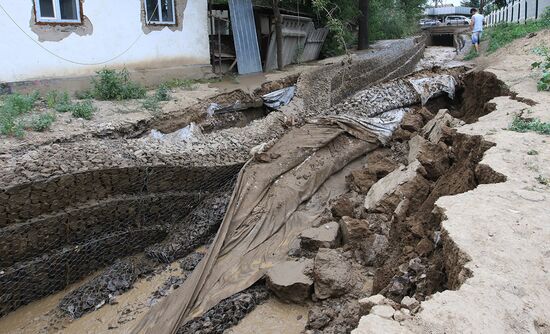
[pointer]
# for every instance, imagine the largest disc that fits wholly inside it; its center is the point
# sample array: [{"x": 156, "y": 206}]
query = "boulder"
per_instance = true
[
  {"x": 331, "y": 273},
  {"x": 324, "y": 236},
  {"x": 289, "y": 282}
]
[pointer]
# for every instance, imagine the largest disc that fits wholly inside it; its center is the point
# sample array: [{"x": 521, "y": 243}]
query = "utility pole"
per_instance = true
[
  {"x": 278, "y": 34},
  {"x": 363, "y": 25}
]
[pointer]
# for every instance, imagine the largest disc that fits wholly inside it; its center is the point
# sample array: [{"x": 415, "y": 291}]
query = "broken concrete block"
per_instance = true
[
  {"x": 361, "y": 180},
  {"x": 402, "y": 315},
  {"x": 366, "y": 304},
  {"x": 289, "y": 282},
  {"x": 410, "y": 303},
  {"x": 433, "y": 157},
  {"x": 405, "y": 182},
  {"x": 324, "y": 236},
  {"x": 439, "y": 128},
  {"x": 384, "y": 311},
  {"x": 412, "y": 122},
  {"x": 331, "y": 273}
]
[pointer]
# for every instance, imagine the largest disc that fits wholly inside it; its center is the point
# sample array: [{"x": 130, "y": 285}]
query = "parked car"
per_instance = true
[
  {"x": 456, "y": 20},
  {"x": 429, "y": 22}
]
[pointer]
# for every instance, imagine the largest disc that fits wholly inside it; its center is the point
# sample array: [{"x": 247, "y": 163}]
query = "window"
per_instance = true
[
  {"x": 160, "y": 12},
  {"x": 58, "y": 11}
]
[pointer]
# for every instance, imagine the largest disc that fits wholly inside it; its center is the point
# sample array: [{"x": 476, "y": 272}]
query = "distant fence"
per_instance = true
[{"x": 518, "y": 11}]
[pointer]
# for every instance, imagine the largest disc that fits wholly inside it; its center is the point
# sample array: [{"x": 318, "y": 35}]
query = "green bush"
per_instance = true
[
  {"x": 84, "y": 109},
  {"x": 544, "y": 65},
  {"x": 116, "y": 85},
  {"x": 162, "y": 93},
  {"x": 42, "y": 122}
]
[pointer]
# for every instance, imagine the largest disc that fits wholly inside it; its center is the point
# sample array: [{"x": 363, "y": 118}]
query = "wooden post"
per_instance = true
[
  {"x": 278, "y": 34},
  {"x": 363, "y": 25}
]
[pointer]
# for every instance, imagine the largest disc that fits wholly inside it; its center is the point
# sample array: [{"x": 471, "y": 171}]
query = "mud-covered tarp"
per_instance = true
[
  {"x": 270, "y": 206},
  {"x": 274, "y": 200}
]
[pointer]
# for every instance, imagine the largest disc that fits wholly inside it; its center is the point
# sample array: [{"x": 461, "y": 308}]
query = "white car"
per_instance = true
[{"x": 456, "y": 20}]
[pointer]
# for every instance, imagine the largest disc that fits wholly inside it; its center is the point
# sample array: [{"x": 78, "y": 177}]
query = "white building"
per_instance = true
[{"x": 47, "y": 40}]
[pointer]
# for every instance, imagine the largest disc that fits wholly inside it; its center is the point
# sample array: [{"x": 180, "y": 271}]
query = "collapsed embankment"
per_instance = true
[{"x": 71, "y": 208}]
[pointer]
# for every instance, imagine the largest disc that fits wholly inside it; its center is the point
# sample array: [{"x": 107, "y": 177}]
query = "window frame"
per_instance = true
[
  {"x": 161, "y": 22},
  {"x": 57, "y": 12}
]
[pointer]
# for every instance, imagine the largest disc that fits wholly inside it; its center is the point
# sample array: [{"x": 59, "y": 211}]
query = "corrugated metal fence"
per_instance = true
[
  {"x": 244, "y": 34},
  {"x": 518, "y": 11}
]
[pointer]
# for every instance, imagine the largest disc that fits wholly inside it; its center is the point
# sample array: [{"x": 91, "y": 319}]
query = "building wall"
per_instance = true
[
  {"x": 109, "y": 30},
  {"x": 515, "y": 11}
]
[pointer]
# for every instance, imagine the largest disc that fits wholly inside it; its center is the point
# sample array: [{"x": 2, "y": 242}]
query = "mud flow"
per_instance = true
[{"x": 383, "y": 237}]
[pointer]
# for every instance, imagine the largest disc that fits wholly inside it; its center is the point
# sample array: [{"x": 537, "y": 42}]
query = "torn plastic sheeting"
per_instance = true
[
  {"x": 266, "y": 213},
  {"x": 190, "y": 133},
  {"x": 279, "y": 98},
  {"x": 433, "y": 86}
]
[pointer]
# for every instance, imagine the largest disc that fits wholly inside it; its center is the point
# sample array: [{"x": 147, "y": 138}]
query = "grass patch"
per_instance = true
[
  {"x": 522, "y": 125},
  {"x": 472, "y": 54},
  {"x": 116, "y": 85},
  {"x": 190, "y": 84},
  {"x": 13, "y": 106},
  {"x": 543, "y": 180},
  {"x": 162, "y": 93},
  {"x": 503, "y": 34}
]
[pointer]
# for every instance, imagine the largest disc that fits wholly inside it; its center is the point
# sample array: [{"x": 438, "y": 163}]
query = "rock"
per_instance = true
[
  {"x": 289, "y": 282},
  {"x": 354, "y": 231},
  {"x": 405, "y": 182},
  {"x": 412, "y": 122},
  {"x": 402, "y": 315},
  {"x": 384, "y": 311},
  {"x": 426, "y": 114},
  {"x": 295, "y": 249},
  {"x": 432, "y": 157},
  {"x": 439, "y": 128},
  {"x": 410, "y": 303},
  {"x": 399, "y": 286},
  {"x": 375, "y": 249},
  {"x": 366, "y": 304},
  {"x": 319, "y": 318},
  {"x": 361, "y": 180},
  {"x": 331, "y": 274},
  {"x": 381, "y": 163},
  {"x": 324, "y": 236},
  {"x": 374, "y": 324},
  {"x": 342, "y": 207}
]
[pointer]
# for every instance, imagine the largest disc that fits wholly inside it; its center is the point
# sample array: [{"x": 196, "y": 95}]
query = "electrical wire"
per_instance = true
[{"x": 69, "y": 60}]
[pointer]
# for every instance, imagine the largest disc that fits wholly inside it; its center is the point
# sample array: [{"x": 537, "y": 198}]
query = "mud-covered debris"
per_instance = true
[
  {"x": 227, "y": 313},
  {"x": 319, "y": 318},
  {"x": 115, "y": 280},
  {"x": 171, "y": 283},
  {"x": 440, "y": 127},
  {"x": 324, "y": 236},
  {"x": 361, "y": 180},
  {"x": 331, "y": 274},
  {"x": 342, "y": 207},
  {"x": 412, "y": 122},
  {"x": 290, "y": 280},
  {"x": 189, "y": 262}
]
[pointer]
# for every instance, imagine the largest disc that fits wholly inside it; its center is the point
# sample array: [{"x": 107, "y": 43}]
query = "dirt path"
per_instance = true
[{"x": 502, "y": 229}]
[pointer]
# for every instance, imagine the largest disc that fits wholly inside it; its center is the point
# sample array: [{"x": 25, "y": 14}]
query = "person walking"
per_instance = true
[{"x": 476, "y": 24}]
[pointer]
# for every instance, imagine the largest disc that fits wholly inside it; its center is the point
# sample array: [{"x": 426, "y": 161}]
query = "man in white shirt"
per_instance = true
[{"x": 476, "y": 24}]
